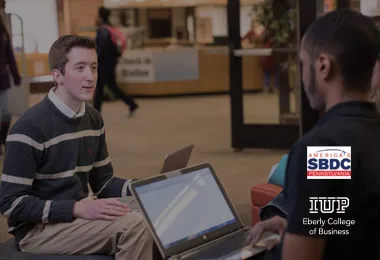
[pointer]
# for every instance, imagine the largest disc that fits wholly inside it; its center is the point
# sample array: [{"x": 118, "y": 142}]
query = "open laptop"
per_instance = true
[
  {"x": 191, "y": 216},
  {"x": 174, "y": 161},
  {"x": 177, "y": 160}
]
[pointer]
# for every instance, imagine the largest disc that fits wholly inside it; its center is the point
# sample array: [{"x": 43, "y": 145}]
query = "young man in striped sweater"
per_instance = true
[{"x": 52, "y": 152}]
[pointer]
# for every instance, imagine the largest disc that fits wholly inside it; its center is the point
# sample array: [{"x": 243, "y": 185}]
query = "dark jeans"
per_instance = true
[
  {"x": 268, "y": 78},
  {"x": 106, "y": 76},
  {"x": 276, "y": 207}
]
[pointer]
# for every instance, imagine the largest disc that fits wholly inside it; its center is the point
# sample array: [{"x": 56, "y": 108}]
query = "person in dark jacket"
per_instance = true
[
  {"x": 330, "y": 50},
  {"x": 108, "y": 57},
  {"x": 7, "y": 66}
]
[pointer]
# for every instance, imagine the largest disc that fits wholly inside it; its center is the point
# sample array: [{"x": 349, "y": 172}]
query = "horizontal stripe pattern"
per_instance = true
[
  {"x": 64, "y": 174},
  {"x": 46, "y": 211},
  {"x": 13, "y": 228},
  {"x": 102, "y": 163},
  {"x": 8, "y": 213},
  {"x": 103, "y": 187},
  {"x": 71, "y": 136},
  {"x": 59, "y": 147},
  {"x": 26, "y": 140},
  {"x": 16, "y": 180},
  {"x": 70, "y": 173},
  {"x": 124, "y": 190},
  {"x": 59, "y": 175},
  {"x": 56, "y": 140}
]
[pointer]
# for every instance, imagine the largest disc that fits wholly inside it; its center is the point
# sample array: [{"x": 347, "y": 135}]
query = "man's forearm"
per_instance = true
[
  {"x": 35, "y": 210},
  {"x": 115, "y": 187}
]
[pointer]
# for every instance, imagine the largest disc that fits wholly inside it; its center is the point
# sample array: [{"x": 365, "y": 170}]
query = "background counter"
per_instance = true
[
  {"x": 203, "y": 70},
  {"x": 177, "y": 71}
]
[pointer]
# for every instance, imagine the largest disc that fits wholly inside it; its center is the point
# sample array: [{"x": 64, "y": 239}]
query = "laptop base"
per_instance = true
[{"x": 230, "y": 247}]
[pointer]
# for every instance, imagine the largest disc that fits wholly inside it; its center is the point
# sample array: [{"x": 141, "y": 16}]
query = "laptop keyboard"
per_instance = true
[
  {"x": 224, "y": 249},
  {"x": 131, "y": 202}
]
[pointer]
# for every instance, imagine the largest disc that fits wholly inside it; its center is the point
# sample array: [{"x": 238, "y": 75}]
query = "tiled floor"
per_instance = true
[{"x": 138, "y": 145}]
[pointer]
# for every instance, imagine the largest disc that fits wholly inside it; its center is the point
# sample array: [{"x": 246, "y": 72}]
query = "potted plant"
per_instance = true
[{"x": 279, "y": 19}]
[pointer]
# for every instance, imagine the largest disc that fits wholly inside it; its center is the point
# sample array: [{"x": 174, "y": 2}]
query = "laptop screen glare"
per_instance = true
[{"x": 186, "y": 206}]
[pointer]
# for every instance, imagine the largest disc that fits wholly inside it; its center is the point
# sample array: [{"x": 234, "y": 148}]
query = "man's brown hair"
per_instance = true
[{"x": 63, "y": 45}]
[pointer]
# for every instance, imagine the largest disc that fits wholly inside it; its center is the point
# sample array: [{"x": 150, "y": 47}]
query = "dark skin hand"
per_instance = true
[{"x": 275, "y": 224}]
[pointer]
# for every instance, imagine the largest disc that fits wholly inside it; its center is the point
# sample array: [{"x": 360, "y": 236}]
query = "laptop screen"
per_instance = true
[{"x": 186, "y": 206}]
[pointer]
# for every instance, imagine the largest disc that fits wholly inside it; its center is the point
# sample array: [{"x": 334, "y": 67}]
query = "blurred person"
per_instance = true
[
  {"x": 8, "y": 67},
  {"x": 269, "y": 67},
  {"x": 108, "y": 55},
  {"x": 268, "y": 63},
  {"x": 338, "y": 56},
  {"x": 53, "y": 152}
]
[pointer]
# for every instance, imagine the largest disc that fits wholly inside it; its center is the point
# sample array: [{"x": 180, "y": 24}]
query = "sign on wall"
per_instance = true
[
  {"x": 136, "y": 67},
  {"x": 158, "y": 65}
]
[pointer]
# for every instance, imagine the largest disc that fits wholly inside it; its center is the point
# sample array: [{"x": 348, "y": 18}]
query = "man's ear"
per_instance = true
[
  {"x": 57, "y": 76},
  {"x": 324, "y": 66}
]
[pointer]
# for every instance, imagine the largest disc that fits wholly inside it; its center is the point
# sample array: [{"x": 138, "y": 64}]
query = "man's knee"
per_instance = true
[
  {"x": 136, "y": 225},
  {"x": 134, "y": 219},
  {"x": 136, "y": 240}
]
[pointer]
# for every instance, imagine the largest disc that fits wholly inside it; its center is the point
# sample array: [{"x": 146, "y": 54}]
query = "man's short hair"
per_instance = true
[
  {"x": 352, "y": 39},
  {"x": 63, "y": 45}
]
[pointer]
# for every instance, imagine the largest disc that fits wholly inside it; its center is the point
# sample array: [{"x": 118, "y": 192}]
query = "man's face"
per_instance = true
[
  {"x": 80, "y": 75},
  {"x": 311, "y": 85}
]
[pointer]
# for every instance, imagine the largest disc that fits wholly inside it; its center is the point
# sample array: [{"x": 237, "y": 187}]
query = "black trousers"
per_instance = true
[{"x": 106, "y": 76}]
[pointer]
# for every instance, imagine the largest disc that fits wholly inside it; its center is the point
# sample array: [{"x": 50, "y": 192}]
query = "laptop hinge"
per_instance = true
[{"x": 191, "y": 251}]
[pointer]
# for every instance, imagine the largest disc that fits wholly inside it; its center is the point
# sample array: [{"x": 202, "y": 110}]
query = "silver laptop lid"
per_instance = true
[{"x": 186, "y": 208}]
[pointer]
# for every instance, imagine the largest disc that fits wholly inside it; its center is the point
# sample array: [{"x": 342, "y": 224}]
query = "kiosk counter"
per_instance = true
[
  {"x": 183, "y": 70},
  {"x": 165, "y": 71}
]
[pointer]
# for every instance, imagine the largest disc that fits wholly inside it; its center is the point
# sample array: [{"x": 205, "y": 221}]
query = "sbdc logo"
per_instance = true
[
  {"x": 329, "y": 162},
  {"x": 328, "y": 204}
]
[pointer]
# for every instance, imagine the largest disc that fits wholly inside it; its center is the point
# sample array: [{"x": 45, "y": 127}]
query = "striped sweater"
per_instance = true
[{"x": 50, "y": 159}]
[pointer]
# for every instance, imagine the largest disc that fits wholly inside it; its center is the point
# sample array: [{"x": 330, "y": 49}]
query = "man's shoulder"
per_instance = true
[
  {"x": 29, "y": 123},
  {"x": 347, "y": 130},
  {"x": 315, "y": 137},
  {"x": 102, "y": 31}
]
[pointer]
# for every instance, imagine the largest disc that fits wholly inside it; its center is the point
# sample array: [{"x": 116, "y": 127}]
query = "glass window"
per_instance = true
[{"x": 40, "y": 24}]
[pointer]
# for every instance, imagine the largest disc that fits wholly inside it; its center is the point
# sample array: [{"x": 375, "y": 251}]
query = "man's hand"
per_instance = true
[
  {"x": 275, "y": 224},
  {"x": 105, "y": 209}
]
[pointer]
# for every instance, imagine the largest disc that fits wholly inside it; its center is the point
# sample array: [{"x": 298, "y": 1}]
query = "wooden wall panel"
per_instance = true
[
  {"x": 83, "y": 13},
  {"x": 74, "y": 15}
]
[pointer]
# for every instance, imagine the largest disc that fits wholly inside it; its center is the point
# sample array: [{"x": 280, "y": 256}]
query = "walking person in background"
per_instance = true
[
  {"x": 7, "y": 66},
  {"x": 268, "y": 63},
  {"x": 108, "y": 55}
]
